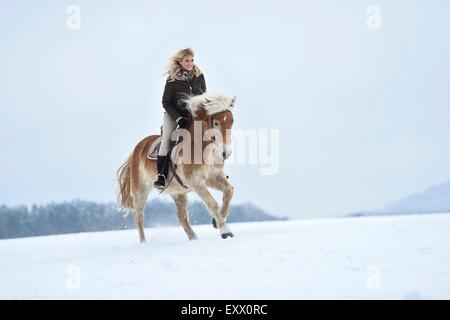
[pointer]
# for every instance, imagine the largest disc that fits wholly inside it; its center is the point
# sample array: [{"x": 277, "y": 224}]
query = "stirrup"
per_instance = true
[{"x": 157, "y": 184}]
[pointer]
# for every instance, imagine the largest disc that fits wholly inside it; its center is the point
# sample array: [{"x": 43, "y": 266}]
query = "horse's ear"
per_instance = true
[
  {"x": 200, "y": 114},
  {"x": 233, "y": 101}
]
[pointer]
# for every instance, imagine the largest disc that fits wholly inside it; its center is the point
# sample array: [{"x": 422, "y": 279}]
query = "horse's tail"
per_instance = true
[{"x": 124, "y": 178}]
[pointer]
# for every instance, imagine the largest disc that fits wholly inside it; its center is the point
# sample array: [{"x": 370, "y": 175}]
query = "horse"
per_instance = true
[{"x": 194, "y": 171}]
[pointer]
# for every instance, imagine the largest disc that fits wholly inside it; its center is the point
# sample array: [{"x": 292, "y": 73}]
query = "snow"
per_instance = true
[{"x": 389, "y": 257}]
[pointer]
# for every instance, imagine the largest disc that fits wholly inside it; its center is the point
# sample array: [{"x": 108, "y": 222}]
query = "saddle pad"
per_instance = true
[
  {"x": 175, "y": 151},
  {"x": 152, "y": 153}
]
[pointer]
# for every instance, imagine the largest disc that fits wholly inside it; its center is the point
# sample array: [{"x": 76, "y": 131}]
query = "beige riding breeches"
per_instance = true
[{"x": 169, "y": 125}]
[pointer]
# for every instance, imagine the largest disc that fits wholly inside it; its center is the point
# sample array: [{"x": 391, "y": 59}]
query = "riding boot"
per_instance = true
[{"x": 162, "y": 166}]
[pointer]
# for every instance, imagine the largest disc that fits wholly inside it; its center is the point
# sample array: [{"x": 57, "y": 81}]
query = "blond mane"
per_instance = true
[{"x": 212, "y": 103}]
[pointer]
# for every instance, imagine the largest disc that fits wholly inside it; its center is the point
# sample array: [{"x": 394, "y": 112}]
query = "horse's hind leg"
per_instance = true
[
  {"x": 181, "y": 201},
  {"x": 139, "y": 204}
]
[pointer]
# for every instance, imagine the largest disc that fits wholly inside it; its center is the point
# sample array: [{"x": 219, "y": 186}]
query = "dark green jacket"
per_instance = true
[{"x": 177, "y": 90}]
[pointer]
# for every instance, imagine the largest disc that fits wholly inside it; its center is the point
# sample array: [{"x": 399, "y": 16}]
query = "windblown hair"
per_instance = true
[
  {"x": 212, "y": 103},
  {"x": 174, "y": 64}
]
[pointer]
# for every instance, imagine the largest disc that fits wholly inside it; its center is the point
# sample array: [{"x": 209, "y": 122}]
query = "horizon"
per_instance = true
[{"x": 388, "y": 209}]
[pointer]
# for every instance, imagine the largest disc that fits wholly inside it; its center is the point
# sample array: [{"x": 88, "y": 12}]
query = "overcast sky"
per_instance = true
[{"x": 363, "y": 114}]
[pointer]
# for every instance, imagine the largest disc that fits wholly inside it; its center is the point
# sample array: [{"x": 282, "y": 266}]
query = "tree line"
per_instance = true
[{"x": 86, "y": 216}]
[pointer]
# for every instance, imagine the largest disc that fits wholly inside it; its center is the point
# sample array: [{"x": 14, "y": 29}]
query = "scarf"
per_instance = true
[{"x": 186, "y": 75}]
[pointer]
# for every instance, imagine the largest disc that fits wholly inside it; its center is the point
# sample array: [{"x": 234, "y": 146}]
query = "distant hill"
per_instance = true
[
  {"x": 434, "y": 199},
  {"x": 85, "y": 216}
]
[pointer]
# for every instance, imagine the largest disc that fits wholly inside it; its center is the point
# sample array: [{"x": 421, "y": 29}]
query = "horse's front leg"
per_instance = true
[
  {"x": 213, "y": 207},
  {"x": 222, "y": 184}
]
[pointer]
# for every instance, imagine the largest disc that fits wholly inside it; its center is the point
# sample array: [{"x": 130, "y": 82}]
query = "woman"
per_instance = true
[{"x": 184, "y": 79}]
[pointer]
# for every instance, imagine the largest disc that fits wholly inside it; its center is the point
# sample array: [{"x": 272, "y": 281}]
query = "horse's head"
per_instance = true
[
  {"x": 222, "y": 122},
  {"x": 215, "y": 111}
]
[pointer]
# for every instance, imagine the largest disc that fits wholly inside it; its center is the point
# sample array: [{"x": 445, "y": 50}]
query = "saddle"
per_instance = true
[{"x": 174, "y": 152}]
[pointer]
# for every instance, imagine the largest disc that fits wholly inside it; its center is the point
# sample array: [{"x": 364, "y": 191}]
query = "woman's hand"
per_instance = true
[{"x": 182, "y": 123}]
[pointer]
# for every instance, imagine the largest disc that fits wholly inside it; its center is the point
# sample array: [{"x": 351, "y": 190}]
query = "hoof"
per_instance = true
[
  {"x": 226, "y": 235},
  {"x": 193, "y": 237},
  {"x": 214, "y": 223}
]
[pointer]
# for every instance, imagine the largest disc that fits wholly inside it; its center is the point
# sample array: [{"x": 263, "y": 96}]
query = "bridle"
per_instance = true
[{"x": 211, "y": 125}]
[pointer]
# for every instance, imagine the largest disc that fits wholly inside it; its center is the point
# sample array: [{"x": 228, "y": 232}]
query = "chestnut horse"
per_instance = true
[{"x": 209, "y": 136}]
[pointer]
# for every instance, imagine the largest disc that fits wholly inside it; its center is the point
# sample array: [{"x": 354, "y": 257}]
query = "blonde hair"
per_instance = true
[{"x": 174, "y": 64}]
